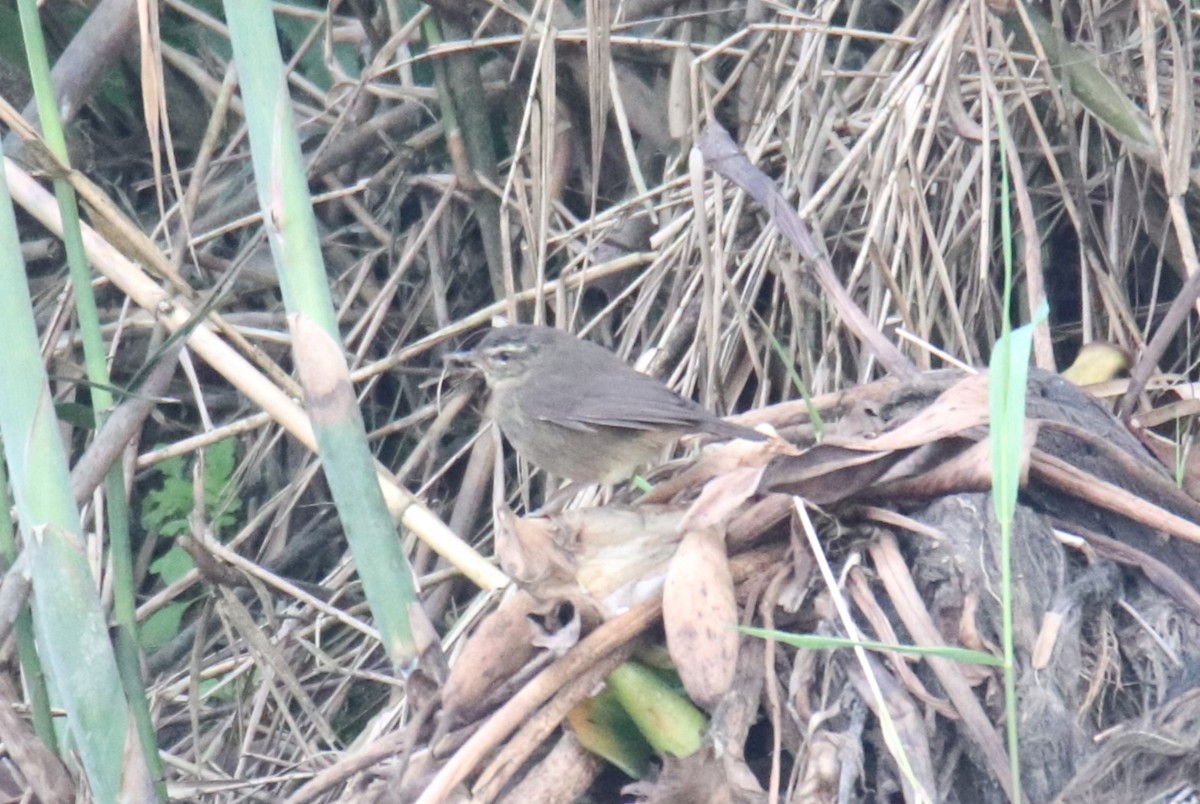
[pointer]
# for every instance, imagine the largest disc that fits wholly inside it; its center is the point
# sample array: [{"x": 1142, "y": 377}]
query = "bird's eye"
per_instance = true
[{"x": 503, "y": 356}]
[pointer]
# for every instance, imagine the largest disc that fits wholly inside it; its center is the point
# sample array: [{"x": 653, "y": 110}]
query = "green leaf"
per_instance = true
[
  {"x": 163, "y": 625},
  {"x": 166, "y": 509},
  {"x": 172, "y": 565},
  {"x": 76, "y": 415},
  {"x": 1008, "y": 373},
  {"x": 603, "y": 727},
  {"x": 666, "y": 718},
  {"x": 816, "y": 642}
]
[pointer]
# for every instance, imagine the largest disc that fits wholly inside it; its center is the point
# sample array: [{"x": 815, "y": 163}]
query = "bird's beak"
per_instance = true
[{"x": 469, "y": 356}]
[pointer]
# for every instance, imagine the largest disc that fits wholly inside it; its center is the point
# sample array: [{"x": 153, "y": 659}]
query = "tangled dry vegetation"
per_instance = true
[{"x": 632, "y": 171}]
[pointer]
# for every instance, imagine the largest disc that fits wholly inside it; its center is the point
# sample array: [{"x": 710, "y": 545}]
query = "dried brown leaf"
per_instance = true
[
  {"x": 502, "y": 645},
  {"x": 960, "y": 407},
  {"x": 603, "y": 559},
  {"x": 700, "y": 616},
  {"x": 720, "y": 498}
]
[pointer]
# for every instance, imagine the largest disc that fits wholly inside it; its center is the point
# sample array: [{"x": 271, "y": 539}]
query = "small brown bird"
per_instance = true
[{"x": 577, "y": 411}]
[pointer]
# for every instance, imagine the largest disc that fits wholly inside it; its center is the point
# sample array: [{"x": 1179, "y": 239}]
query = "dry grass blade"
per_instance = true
[{"x": 722, "y": 153}]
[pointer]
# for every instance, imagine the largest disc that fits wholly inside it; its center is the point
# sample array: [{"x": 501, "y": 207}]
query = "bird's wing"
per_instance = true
[{"x": 603, "y": 396}]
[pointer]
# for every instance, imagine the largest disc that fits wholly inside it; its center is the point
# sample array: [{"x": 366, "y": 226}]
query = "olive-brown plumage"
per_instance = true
[{"x": 576, "y": 410}]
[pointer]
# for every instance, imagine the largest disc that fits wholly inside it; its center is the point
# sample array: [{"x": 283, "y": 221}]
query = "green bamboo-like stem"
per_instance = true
[
  {"x": 69, "y": 622},
  {"x": 95, "y": 360},
  {"x": 317, "y": 347},
  {"x": 31, "y": 665}
]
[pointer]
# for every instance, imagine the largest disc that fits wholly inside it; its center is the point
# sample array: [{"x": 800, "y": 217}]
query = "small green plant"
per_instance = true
[{"x": 166, "y": 510}]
